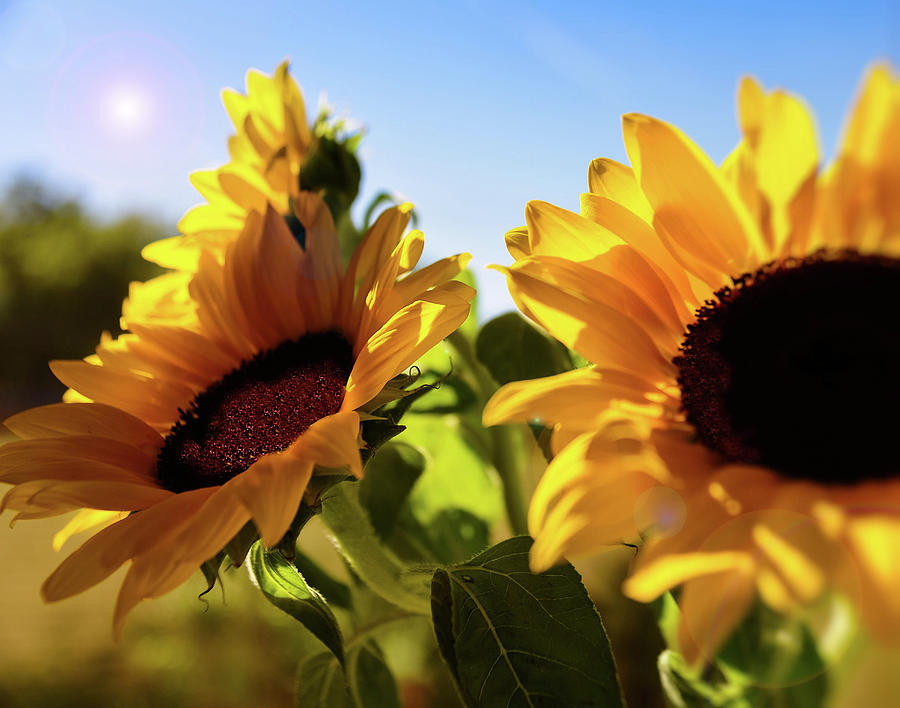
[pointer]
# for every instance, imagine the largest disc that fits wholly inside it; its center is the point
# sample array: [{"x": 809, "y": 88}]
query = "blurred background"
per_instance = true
[{"x": 470, "y": 109}]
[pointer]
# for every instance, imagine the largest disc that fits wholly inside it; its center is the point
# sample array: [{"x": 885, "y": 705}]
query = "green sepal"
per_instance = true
[
  {"x": 511, "y": 636},
  {"x": 238, "y": 547},
  {"x": 285, "y": 587},
  {"x": 210, "y": 570},
  {"x": 288, "y": 543},
  {"x": 333, "y": 168},
  {"x": 376, "y": 433}
]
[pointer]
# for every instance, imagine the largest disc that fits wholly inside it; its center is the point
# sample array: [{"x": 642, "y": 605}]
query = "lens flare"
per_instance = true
[{"x": 128, "y": 110}]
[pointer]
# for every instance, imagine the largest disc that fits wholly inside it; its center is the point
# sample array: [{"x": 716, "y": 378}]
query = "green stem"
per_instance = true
[
  {"x": 506, "y": 442},
  {"x": 366, "y": 631}
]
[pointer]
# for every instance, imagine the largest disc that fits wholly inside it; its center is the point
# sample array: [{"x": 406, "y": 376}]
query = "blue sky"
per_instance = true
[{"x": 470, "y": 108}]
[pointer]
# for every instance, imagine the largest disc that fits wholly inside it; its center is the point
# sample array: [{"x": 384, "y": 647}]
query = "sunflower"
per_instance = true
[
  {"x": 271, "y": 142},
  {"x": 186, "y": 433},
  {"x": 741, "y": 324}
]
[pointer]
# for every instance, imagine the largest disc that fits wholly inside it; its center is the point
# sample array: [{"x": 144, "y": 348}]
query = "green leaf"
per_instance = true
[
  {"x": 450, "y": 536},
  {"x": 777, "y": 656},
  {"x": 370, "y": 559},
  {"x": 456, "y": 475},
  {"x": 285, "y": 588},
  {"x": 513, "y": 638},
  {"x": 513, "y": 350},
  {"x": 367, "y": 683},
  {"x": 333, "y": 590},
  {"x": 668, "y": 616},
  {"x": 770, "y": 661},
  {"x": 371, "y": 681},
  {"x": 321, "y": 683},
  {"x": 390, "y": 475}
]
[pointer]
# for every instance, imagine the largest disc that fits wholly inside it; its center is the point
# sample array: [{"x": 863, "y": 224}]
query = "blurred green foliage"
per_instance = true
[{"x": 63, "y": 276}]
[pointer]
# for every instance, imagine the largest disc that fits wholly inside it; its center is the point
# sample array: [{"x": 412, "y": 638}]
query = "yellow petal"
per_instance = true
[
  {"x": 874, "y": 109},
  {"x": 617, "y": 451},
  {"x": 205, "y": 218},
  {"x": 639, "y": 234},
  {"x": 184, "y": 348},
  {"x": 35, "y": 459},
  {"x": 616, "y": 182},
  {"x": 576, "y": 399},
  {"x": 162, "y": 300},
  {"x": 692, "y": 203},
  {"x": 803, "y": 576},
  {"x": 235, "y": 105},
  {"x": 518, "y": 242},
  {"x": 600, "y": 333},
  {"x": 109, "y": 548},
  {"x": 62, "y": 419},
  {"x": 151, "y": 575},
  {"x": 62, "y": 495},
  {"x": 554, "y": 231},
  {"x": 620, "y": 279},
  {"x": 650, "y": 580},
  {"x": 383, "y": 283},
  {"x": 216, "y": 312},
  {"x": 873, "y": 541},
  {"x": 711, "y": 607},
  {"x": 149, "y": 399},
  {"x": 324, "y": 262},
  {"x": 85, "y": 520},
  {"x": 398, "y": 343},
  {"x": 438, "y": 272},
  {"x": 272, "y": 488},
  {"x": 377, "y": 246},
  {"x": 207, "y": 530},
  {"x": 788, "y": 151},
  {"x": 332, "y": 442}
]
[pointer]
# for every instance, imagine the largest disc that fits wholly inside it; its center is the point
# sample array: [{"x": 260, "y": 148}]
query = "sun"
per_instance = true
[{"x": 127, "y": 109}]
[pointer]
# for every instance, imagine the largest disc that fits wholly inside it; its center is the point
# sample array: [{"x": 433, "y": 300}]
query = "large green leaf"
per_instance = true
[
  {"x": 368, "y": 556},
  {"x": 457, "y": 499},
  {"x": 390, "y": 475},
  {"x": 367, "y": 682},
  {"x": 321, "y": 683},
  {"x": 285, "y": 588},
  {"x": 770, "y": 661},
  {"x": 513, "y": 638},
  {"x": 514, "y": 350},
  {"x": 456, "y": 473}
]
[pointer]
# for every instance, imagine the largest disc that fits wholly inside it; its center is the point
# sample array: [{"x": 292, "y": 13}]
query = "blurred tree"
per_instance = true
[{"x": 63, "y": 275}]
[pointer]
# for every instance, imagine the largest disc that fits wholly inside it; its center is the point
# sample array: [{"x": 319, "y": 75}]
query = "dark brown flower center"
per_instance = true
[
  {"x": 260, "y": 407},
  {"x": 795, "y": 367}
]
